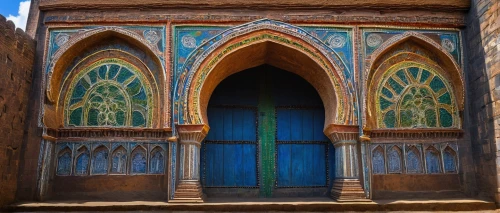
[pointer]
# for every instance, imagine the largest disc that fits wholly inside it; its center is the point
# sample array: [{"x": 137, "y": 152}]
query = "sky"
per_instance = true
[{"x": 16, "y": 10}]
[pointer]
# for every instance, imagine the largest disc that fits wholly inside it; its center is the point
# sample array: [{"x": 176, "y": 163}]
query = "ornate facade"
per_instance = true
[{"x": 148, "y": 103}]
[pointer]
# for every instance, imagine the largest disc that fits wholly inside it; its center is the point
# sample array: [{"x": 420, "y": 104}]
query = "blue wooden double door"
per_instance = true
[{"x": 266, "y": 138}]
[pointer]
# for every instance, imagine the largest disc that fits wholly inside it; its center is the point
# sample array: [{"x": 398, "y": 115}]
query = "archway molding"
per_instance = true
[
  {"x": 264, "y": 41},
  {"x": 379, "y": 63},
  {"x": 62, "y": 68}
]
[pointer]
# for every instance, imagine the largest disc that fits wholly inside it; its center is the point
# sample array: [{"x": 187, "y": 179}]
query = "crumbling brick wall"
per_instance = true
[
  {"x": 17, "y": 51},
  {"x": 483, "y": 71}
]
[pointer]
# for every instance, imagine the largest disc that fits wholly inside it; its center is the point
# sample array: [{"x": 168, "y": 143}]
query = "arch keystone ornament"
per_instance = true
[
  {"x": 346, "y": 186},
  {"x": 189, "y": 188}
]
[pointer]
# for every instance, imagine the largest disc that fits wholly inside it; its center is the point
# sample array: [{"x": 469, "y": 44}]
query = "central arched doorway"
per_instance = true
[{"x": 266, "y": 138}]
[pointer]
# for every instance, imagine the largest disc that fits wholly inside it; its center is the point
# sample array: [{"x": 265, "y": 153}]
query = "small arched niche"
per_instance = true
[
  {"x": 100, "y": 161},
  {"x": 138, "y": 160},
  {"x": 432, "y": 160},
  {"x": 82, "y": 162},
  {"x": 413, "y": 160},
  {"x": 64, "y": 161},
  {"x": 378, "y": 160},
  {"x": 119, "y": 160},
  {"x": 394, "y": 160},
  {"x": 450, "y": 160},
  {"x": 157, "y": 161}
]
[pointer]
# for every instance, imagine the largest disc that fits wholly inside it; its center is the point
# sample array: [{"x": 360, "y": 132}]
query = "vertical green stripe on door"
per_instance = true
[{"x": 267, "y": 130}]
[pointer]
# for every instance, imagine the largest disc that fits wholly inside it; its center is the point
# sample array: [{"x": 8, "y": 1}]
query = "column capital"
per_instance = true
[
  {"x": 342, "y": 133},
  {"x": 192, "y": 133}
]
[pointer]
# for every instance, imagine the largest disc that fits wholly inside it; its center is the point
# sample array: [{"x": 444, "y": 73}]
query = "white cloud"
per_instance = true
[{"x": 22, "y": 16}]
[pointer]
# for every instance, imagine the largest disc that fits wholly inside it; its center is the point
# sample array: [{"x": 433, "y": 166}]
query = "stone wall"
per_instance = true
[
  {"x": 483, "y": 68},
  {"x": 17, "y": 51}
]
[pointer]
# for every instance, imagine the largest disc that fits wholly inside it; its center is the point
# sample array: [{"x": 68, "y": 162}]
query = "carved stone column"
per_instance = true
[
  {"x": 189, "y": 188},
  {"x": 346, "y": 186}
]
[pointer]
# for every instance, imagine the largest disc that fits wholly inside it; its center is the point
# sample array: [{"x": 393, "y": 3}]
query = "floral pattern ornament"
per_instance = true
[
  {"x": 413, "y": 95},
  {"x": 110, "y": 92}
]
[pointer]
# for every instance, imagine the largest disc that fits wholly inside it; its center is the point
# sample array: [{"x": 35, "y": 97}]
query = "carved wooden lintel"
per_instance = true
[
  {"x": 398, "y": 135},
  {"x": 116, "y": 133}
]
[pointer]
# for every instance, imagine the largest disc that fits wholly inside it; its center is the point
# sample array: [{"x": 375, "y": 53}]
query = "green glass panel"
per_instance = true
[
  {"x": 402, "y": 76},
  {"x": 436, "y": 84},
  {"x": 445, "y": 98},
  {"x": 414, "y": 71},
  {"x": 120, "y": 118},
  {"x": 390, "y": 119},
  {"x": 79, "y": 91},
  {"x": 75, "y": 117},
  {"x": 397, "y": 87},
  {"x": 134, "y": 87},
  {"x": 93, "y": 76},
  {"x": 102, "y": 72},
  {"x": 92, "y": 117},
  {"x": 124, "y": 75},
  {"x": 406, "y": 118},
  {"x": 430, "y": 117},
  {"x": 384, "y": 103},
  {"x": 425, "y": 76},
  {"x": 113, "y": 71},
  {"x": 138, "y": 119},
  {"x": 387, "y": 92},
  {"x": 445, "y": 118}
]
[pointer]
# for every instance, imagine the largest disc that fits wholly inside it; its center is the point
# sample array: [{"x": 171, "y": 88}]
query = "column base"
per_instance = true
[
  {"x": 348, "y": 190},
  {"x": 188, "y": 192}
]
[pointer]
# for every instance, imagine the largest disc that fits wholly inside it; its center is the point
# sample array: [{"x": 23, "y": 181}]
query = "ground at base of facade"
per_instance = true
[{"x": 271, "y": 205}]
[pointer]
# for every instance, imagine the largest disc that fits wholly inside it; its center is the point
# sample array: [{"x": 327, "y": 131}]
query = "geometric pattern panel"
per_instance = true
[
  {"x": 117, "y": 158},
  {"x": 415, "y": 96},
  {"x": 403, "y": 158},
  {"x": 110, "y": 92}
]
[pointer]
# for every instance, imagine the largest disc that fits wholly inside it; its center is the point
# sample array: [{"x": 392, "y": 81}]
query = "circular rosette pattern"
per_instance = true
[
  {"x": 109, "y": 92},
  {"x": 414, "y": 96}
]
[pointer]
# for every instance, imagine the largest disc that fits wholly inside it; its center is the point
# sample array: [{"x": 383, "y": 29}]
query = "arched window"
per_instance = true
[
  {"x": 157, "y": 162},
  {"x": 450, "y": 160},
  {"x": 64, "y": 162},
  {"x": 119, "y": 161},
  {"x": 110, "y": 92},
  {"x": 100, "y": 161},
  {"x": 413, "y": 160},
  {"x": 413, "y": 95},
  {"x": 138, "y": 158},
  {"x": 82, "y": 161},
  {"x": 394, "y": 161},
  {"x": 432, "y": 160},
  {"x": 378, "y": 161}
]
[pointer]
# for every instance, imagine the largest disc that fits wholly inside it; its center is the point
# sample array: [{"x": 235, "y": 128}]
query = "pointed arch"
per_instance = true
[
  {"x": 100, "y": 160},
  {"x": 414, "y": 163},
  {"x": 64, "y": 162},
  {"x": 82, "y": 161},
  {"x": 432, "y": 160},
  {"x": 68, "y": 61},
  {"x": 157, "y": 161},
  {"x": 394, "y": 159},
  {"x": 119, "y": 160},
  {"x": 378, "y": 160},
  {"x": 138, "y": 160},
  {"x": 450, "y": 160},
  {"x": 264, "y": 41},
  {"x": 427, "y": 55}
]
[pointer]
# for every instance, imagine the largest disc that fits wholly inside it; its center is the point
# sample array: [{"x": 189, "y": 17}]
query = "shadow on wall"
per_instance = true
[{"x": 483, "y": 84}]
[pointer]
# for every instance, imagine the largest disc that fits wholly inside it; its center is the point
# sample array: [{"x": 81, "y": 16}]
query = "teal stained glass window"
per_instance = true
[
  {"x": 110, "y": 92},
  {"x": 415, "y": 96}
]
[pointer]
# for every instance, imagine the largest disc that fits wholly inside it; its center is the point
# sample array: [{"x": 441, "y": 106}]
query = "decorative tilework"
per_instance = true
[
  {"x": 412, "y": 95},
  {"x": 121, "y": 161},
  {"x": 110, "y": 92}
]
